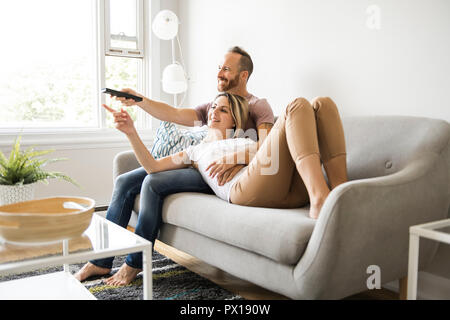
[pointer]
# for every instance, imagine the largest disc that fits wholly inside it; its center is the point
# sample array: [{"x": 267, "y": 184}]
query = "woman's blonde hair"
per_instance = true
[{"x": 239, "y": 111}]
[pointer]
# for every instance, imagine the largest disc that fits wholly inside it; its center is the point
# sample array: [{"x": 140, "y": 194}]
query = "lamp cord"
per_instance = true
[{"x": 184, "y": 68}]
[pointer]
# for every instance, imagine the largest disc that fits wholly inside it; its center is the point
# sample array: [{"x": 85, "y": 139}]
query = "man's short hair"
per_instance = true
[{"x": 245, "y": 63}]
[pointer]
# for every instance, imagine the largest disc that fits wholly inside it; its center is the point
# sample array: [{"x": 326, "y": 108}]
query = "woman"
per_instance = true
[
  {"x": 285, "y": 172},
  {"x": 225, "y": 120}
]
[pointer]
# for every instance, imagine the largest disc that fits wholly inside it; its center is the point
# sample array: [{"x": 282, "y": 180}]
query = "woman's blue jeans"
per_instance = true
[{"x": 153, "y": 188}]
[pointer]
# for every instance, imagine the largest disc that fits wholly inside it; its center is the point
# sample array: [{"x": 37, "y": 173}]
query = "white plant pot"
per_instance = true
[{"x": 13, "y": 194}]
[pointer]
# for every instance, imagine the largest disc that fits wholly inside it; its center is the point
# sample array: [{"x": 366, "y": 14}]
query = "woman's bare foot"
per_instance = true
[
  {"x": 124, "y": 276},
  {"x": 89, "y": 270}
]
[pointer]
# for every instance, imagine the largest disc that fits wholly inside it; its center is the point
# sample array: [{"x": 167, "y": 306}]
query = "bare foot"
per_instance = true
[
  {"x": 124, "y": 276},
  {"x": 90, "y": 270}
]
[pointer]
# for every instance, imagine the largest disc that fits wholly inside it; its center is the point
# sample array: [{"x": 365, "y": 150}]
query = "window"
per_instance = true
[
  {"x": 52, "y": 66},
  {"x": 124, "y": 28},
  {"x": 124, "y": 49},
  {"x": 121, "y": 73},
  {"x": 47, "y": 64}
]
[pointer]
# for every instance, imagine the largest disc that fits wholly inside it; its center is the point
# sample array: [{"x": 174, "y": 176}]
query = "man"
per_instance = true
[{"x": 232, "y": 77}]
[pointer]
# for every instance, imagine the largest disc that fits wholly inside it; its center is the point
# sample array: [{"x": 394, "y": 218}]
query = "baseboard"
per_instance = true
[
  {"x": 100, "y": 208},
  {"x": 429, "y": 287}
]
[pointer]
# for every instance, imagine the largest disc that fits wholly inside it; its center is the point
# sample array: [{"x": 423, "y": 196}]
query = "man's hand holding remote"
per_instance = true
[
  {"x": 160, "y": 110},
  {"x": 130, "y": 102}
]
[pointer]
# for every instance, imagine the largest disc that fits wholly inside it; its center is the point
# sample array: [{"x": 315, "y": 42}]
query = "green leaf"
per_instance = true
[
  {"x": 24, "y": 167},
  {"x": 3, "y": 160}
]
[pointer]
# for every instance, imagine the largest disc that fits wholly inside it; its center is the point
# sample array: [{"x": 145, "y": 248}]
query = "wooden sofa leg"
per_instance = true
[{"x": 402, "y": 288}]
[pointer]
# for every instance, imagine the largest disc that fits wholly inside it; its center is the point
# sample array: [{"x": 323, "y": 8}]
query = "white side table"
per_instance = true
[{"x": 431, "y": 231}]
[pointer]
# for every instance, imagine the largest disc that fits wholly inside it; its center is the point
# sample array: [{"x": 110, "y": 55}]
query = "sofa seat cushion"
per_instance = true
[{"x": 279, "y": 234}]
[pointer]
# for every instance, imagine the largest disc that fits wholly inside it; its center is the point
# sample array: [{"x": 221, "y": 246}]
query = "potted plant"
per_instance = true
[{"x": 22, "y": 170}]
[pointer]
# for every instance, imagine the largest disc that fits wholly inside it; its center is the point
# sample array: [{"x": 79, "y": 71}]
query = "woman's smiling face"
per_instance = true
[{"x": 219, "y": 115}]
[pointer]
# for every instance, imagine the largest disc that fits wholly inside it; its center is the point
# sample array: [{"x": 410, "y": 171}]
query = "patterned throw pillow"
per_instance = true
[{"x": 171, "y": 139}]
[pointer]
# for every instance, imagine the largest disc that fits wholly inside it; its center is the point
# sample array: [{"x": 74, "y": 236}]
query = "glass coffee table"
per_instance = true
[{"x": 102, "y": 239}]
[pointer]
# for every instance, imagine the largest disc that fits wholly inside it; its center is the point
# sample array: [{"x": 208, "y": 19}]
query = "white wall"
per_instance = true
[
  {"x": 398, "y": 64},
  {"x": 92, "y": 170},
  {"x": 311, "y": 48}
]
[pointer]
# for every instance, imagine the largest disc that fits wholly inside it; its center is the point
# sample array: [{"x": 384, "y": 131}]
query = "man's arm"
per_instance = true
[
  {"x": 165, "y": 112},
  {"x": 161, "y": 110}
]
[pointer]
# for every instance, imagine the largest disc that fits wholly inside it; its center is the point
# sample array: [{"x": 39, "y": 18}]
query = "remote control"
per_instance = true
[{"x": 121, "y": 94}]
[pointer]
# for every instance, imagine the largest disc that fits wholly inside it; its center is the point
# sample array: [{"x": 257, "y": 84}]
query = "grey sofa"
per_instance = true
[{"x": 399, "y": 176}]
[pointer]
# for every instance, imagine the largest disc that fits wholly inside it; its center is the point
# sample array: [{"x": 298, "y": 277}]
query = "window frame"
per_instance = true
[
  {"x": 104, "y": 49},
  {"x": 125, "y": 52}
]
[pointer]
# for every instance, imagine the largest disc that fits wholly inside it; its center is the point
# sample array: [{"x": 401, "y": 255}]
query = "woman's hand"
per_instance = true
[
  {"x": 225, "y": 172},
  {"x": 129, "y": 102},
  {"x": 122, "y": 120}
]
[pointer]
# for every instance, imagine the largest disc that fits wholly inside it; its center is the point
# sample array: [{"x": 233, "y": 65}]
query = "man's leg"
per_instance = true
[
  {"x": 155, "y": 188},
  {"x": 126, "y": 187}
]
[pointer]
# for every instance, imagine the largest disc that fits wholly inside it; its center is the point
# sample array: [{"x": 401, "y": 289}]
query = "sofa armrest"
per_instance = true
[
  {"x": 366, "y": 222},
  {"x": 123, "y": 162}
]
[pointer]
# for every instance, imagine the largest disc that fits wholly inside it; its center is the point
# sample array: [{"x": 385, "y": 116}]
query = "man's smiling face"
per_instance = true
[{"x": 228, "y": 75}]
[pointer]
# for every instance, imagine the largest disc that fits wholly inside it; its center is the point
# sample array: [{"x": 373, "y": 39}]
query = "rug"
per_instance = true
[{"x": 171, "y": 281}]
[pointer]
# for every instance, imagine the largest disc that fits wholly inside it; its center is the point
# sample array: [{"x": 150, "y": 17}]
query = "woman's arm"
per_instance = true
[
  {"x": 125, "y": 124},
  {"x": 226, "y": 167},
  {"x": 151, "y": 165}
]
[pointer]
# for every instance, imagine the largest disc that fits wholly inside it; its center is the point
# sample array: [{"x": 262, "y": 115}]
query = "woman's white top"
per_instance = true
[{"x": 206, "y": 153}]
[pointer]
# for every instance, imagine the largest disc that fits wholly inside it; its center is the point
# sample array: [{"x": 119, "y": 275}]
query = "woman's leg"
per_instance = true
[
  {"x": 126, "y": 187},
  {"x": 301, "y": 136},
  {"x": 294, "y": 140},
  {"x": 331, "y": 140},
  {"x": 272, "y": 178}
]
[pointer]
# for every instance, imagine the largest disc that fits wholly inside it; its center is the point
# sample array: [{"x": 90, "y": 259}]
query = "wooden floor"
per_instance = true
[{"x": 244, "y": 288}]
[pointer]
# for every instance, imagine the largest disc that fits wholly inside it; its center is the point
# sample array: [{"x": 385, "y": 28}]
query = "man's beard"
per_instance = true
[{"x": 228, "y": 85}]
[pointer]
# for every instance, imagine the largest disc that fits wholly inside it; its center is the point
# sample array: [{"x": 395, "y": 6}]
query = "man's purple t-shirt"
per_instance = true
[{"x": 259, "y": 112}]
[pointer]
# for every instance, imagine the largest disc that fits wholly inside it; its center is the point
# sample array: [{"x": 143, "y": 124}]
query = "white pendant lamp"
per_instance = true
[
  {"x": 173, "y": 79},
  {"x": 165, "y": 27}
]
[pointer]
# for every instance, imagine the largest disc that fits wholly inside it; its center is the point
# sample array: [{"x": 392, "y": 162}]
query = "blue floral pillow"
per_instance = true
[{"x": 170, "y": 139}]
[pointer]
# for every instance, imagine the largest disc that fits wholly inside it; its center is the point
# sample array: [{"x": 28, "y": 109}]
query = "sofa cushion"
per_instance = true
[
  {"x": 171, "y": 139},
  {"x": 279, "y": 234}
]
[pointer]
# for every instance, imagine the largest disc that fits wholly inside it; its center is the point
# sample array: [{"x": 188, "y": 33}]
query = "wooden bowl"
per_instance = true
[{"x": 45, "y": 220}]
